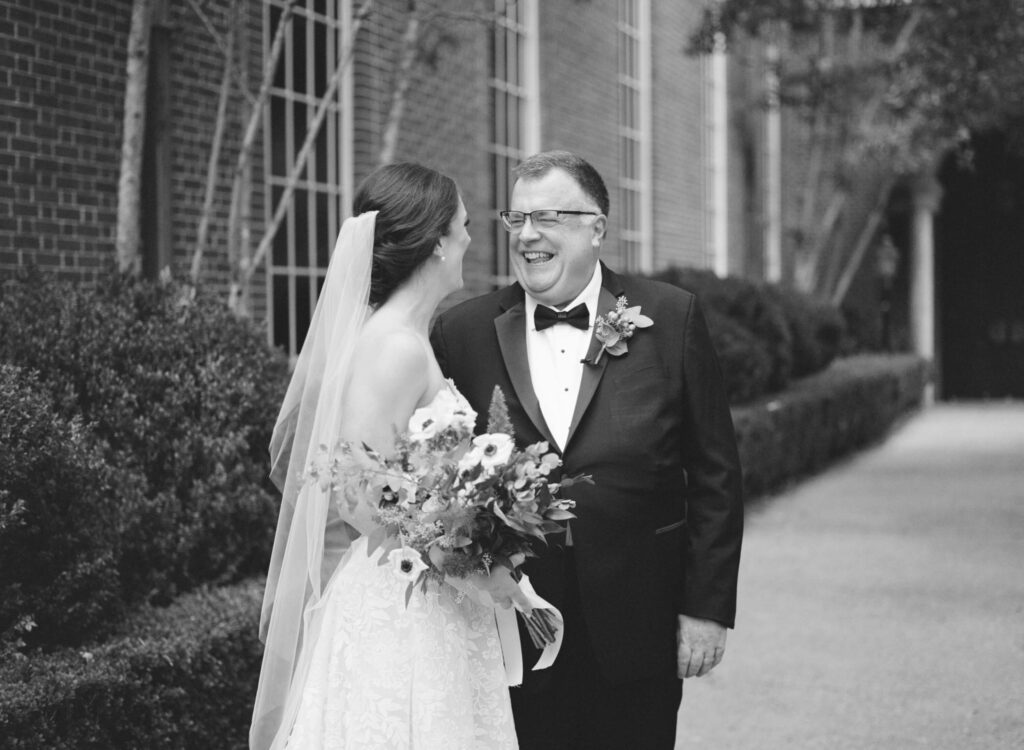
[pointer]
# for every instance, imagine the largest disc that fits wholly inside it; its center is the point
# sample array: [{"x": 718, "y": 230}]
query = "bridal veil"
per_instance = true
[{"x": 311, "y": 538}]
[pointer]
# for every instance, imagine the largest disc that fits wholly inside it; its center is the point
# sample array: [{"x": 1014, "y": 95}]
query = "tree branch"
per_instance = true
[
  {"x": 225, "y": 48},
  {"x": 249, "y": 267},
  {"x": 245, "y": 150}
]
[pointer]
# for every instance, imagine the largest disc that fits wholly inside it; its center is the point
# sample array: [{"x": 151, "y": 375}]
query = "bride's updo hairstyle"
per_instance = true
[{"x": 416, "y": 205}]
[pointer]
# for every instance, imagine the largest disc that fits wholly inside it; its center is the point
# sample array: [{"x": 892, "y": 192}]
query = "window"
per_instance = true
[
  {"x": 297, "y": 261},
  {"x": 513, "y": 87},
  {"x": 634, "y": 189}
]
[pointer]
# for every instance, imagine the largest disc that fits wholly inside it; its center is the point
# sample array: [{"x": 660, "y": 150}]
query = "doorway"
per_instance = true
[{"x": 980, "y": 272}]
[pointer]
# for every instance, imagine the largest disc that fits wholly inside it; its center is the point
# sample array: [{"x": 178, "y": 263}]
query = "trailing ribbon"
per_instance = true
[
  {"x": 508, "y": 635},
  {"x": 508, "y": 627}
]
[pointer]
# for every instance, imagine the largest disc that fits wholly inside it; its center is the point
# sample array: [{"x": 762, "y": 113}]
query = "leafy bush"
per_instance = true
[
  {"x": 184, "y": 676},
  {"x": 59, "y": 577},
  {"x": 745, "y": 361},
  {"x": 746, "y": 303},
  {"x": 796, "y": 333},
  {"x": 862, "y": 332},
  {"x": 816, "y": 329},
  {"x": 182, "y": 396}
]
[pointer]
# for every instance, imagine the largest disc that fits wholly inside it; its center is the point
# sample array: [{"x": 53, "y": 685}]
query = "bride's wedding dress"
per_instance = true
[{"x": 384, "y": 675}]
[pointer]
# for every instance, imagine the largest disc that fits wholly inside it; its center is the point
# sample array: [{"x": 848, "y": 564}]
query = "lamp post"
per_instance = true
[{"x": 887, "y": 258}]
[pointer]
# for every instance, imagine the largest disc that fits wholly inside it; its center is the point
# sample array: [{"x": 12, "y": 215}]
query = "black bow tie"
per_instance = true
[{"x": 577, "y": 317}]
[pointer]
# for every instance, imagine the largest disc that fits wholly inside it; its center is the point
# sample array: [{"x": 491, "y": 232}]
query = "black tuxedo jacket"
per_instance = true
[{"x": 658, "y": 532}]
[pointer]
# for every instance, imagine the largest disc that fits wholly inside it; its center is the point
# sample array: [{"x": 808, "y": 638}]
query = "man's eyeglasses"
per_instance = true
[{"x": 546, "y": 219}]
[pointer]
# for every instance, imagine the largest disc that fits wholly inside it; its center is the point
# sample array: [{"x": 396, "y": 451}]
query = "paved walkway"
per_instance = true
[{"x": 881, "y": 604}]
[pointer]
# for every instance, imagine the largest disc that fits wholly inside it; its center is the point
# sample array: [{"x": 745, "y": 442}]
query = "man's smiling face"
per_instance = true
[{"x": 555, "y": 264}]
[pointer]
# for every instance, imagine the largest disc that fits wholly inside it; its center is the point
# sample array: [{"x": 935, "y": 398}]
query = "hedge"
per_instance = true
[
  {"x": 185, "y": 676},
  {"x": 824, "y": 416}
]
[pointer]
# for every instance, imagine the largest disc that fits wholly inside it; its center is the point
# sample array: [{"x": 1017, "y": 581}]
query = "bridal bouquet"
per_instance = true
[{"x": 449, "y": 503}]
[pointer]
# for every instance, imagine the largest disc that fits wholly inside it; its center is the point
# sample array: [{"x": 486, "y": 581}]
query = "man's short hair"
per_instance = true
[{"x": 537, "y": 166}]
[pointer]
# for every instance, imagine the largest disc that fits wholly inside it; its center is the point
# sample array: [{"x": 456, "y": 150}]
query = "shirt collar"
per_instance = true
[{"x": 590, "y": 295}]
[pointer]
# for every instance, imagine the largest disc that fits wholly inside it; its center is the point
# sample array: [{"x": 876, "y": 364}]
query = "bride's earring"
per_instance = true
[{"x": 439, "y": 254}]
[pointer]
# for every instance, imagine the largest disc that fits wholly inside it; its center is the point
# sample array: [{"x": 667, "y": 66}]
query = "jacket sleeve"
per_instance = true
[{"x": 714, "y": 495}]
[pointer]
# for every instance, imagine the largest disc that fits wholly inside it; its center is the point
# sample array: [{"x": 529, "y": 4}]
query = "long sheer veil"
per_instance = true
[{"x": 311, "y": 538}]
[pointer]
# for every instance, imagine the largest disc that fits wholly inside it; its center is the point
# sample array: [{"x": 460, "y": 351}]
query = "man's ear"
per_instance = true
[{"x": 600, "y": 227}]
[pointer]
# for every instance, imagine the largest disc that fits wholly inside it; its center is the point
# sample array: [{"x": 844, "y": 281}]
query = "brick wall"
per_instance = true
[
  {"x": 62, "y": 84},
  {"x": 680, "y": 134},
  {"x": 579, "y": 91},
  {"x": 445, "y": 121},
  {"x": 580, "y": 100},
  {"x": 62, "y": 71},
  {"x": 62, "y": 75}
]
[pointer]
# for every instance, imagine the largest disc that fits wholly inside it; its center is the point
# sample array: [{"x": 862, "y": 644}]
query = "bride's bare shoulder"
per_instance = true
[{"x": 390, "y": 354}]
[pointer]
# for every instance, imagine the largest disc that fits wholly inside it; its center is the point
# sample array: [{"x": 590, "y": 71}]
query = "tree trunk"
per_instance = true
[
  {"x": 820, "y": 267},
  {"x": 393, "y": 124},
  {"x": 129, "y": 203},
  {"x": 202, "y": 233},
  {"x": 865, "y": 239}
]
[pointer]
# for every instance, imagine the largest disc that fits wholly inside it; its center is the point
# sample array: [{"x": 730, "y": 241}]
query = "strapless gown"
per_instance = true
[{"x": 386, "y": 676}]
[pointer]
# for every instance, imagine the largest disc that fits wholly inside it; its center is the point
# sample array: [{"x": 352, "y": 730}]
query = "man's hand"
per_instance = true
[{"x": 701, "y": 646}]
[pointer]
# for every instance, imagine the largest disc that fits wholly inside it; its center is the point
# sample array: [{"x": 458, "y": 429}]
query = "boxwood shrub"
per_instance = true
[
  {"x": 746, "y": 303},
  {"x": 824, "y": 416},
  {"x": 816, "y": 329},
  {"x": 790, "y": 333},
  {"x": 181, "y": 397},
  {"x": 59, "y": 548},
  {"x": 745, "y": 360}
]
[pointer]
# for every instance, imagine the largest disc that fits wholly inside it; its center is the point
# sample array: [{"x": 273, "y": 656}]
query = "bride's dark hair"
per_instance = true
[{"x": 416, "y": 205}]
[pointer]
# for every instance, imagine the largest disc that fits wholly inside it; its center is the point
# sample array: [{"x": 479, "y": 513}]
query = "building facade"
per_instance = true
[{"x": 482, "y": 84}]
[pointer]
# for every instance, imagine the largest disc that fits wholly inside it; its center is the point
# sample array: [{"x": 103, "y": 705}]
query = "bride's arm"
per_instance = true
[{"x": 388, "y": 382}]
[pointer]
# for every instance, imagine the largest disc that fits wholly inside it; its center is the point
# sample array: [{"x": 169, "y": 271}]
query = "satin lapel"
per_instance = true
[
  {"x": 592, "y": 374},
  {"x": 511, "y": 329}
]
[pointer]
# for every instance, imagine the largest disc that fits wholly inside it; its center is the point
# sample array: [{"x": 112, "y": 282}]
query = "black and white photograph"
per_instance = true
[{"x": 511, "y": 374}]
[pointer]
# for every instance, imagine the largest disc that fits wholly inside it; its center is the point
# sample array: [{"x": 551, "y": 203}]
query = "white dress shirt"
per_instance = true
[{"x": 555, "y": 356}]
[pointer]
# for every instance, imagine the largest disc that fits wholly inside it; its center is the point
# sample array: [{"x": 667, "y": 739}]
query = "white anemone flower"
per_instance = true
[
  {"x": 424, "y": 424},
  {"x": 406, "y": 563},
  {"x": 492, "y": 450}
]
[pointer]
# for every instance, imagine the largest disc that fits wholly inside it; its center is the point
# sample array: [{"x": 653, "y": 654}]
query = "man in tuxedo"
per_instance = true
[{"x": 646, "y": 576}]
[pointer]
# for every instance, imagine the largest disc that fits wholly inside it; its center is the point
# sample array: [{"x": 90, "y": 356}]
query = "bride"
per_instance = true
[{"x": 346, "y": 663}]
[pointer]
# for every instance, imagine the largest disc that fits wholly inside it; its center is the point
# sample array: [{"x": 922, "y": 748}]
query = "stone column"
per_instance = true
[
  {"x": 773, "y": 169},
  {"x": 927, "y": 196}
]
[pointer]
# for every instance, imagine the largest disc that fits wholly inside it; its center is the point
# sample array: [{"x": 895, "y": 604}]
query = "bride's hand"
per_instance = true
[{"x": 502, "y": 589}]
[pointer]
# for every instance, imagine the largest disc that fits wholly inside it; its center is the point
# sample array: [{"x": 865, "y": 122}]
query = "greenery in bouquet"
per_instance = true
[{"x": 449, "y": 503}]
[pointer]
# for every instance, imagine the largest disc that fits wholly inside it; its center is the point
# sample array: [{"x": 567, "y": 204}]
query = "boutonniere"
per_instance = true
[{"x": 616, "y": 326}]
